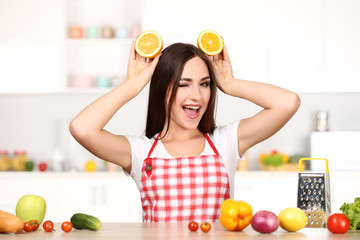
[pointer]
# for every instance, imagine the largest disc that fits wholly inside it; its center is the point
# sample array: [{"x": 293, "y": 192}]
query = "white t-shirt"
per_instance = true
[{"x": 224, "y": 138}]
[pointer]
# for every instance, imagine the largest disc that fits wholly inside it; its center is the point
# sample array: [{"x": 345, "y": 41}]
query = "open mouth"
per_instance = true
[{"x": 191, "y": 111}]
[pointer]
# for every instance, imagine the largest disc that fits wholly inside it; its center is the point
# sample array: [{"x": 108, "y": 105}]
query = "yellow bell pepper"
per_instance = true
[{"x": 235, "y": 215}]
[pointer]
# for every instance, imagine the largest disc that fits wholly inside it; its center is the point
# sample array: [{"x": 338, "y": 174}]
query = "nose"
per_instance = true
[{"x": 195, "y": 93}]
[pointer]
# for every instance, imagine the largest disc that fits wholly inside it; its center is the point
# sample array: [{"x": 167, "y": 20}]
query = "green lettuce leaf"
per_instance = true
[{"x": 352, "y": 211}]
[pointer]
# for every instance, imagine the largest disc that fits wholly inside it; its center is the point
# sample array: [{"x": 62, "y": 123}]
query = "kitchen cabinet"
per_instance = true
[
  {"x": 31, "y": 46},
  {"x": 98, "y": 59},
  {"x": 341, "y": 45},
  {"x": 305, "y": 46},
  {"x": 39, "y": 56},
  {"x": 114, "y": 197},
  {"x": 111, "y": 197},
  {"x": 275, "y": 191}
]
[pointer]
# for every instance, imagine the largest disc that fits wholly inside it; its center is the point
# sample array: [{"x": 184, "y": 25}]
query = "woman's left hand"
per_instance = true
[{"x": 223, "y": 69}]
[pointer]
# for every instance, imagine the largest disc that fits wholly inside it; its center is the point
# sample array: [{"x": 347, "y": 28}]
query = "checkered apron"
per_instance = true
[{"x": 183, "y": 189}]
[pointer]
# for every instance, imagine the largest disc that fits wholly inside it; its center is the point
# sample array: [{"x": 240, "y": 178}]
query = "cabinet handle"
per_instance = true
[
  {"x": 103, "y": 194},
  {"x": 94, "y": 195}
]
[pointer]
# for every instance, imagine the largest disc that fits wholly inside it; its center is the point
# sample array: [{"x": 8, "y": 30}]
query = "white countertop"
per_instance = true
[{"x": 168, "y": 231}]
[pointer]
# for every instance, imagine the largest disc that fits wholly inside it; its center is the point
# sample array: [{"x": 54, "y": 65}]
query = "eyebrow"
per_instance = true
[{"x": 190, "y": 79}]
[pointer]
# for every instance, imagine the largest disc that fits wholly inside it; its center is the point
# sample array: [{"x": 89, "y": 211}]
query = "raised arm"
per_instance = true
[
  {"x": 88, "y": 126},
  {"x": 278, "y": 104}
]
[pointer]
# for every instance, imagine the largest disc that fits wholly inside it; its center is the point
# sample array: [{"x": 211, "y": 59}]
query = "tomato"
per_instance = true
[
  {"x": 205, "y": 227},
  {"x": 28, "y": 227},
  {"x": 48, "y": 226},
  {"x": 193, "y": 226},
  {"x": 338, "y": 223},
  {"x": 66, "y": 226},
  {"x": 42, "y": 166},
  {"x": 34, "y": 224}
]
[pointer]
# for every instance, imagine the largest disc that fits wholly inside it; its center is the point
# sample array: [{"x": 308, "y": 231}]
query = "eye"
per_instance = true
[
  {"x": 205, "y": 84},
  {"x": 183, "y": 85}
]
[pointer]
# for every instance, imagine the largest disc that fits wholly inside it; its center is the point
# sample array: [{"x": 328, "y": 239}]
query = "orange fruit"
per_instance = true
[
  {"x": 148, "y": 44},
  {"x": 210, "y": 42}
]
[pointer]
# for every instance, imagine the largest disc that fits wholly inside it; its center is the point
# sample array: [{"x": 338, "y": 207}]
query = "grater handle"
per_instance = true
[{"x": 302, "y": 159}]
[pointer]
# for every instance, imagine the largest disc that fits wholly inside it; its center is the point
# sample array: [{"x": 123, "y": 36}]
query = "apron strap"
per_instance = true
[
  {"x": 206, "y": 136},
  {"x": 211, "y": 144},
  {"x": 154, "y": 144}
]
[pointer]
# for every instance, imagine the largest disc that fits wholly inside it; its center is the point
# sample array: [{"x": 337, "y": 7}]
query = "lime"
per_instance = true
[{"x": 292, "y": 219}]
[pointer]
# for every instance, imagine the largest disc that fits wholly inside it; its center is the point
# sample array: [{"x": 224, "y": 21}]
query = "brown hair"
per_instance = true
[{"x": 166, "y": 76}]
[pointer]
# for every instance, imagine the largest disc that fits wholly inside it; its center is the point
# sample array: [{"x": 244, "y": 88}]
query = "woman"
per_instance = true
[{"x": 184, "y": 166}]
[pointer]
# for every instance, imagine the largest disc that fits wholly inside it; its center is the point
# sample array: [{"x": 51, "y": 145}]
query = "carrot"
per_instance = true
[{"x": 9, "y": 223}]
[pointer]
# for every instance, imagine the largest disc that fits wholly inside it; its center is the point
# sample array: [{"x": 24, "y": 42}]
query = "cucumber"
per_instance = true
[{"x": 84, "y": 221}]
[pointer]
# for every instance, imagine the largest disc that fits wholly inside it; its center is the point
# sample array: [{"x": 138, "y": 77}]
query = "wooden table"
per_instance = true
[{"x": 169, "y": 231}]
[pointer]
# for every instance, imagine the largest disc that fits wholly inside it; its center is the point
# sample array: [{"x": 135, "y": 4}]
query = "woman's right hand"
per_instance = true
[{"x": 140, "y": 70}]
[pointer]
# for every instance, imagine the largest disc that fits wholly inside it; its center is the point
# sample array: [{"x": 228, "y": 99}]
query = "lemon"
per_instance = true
[
  {"x": 90, "y": 166},
  {"x": 292, "y": 219}
]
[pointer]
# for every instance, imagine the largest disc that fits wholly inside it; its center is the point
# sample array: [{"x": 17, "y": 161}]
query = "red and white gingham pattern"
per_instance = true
[{"x": 184, "y": 189}]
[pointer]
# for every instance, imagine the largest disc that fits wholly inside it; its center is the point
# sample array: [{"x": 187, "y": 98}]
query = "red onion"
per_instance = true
[{"x": 265, "y": 222}]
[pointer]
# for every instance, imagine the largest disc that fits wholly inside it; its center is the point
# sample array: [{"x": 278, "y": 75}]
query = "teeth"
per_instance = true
[{"x": 191, "y": 107}]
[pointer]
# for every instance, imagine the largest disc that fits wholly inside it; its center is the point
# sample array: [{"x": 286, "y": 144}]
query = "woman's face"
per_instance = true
[{"x": 192, "y": 96}]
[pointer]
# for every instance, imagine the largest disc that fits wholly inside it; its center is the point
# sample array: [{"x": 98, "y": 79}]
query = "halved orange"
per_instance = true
[
  {"x": 210, "y": 42},
  {"x": 148, "y": 44}
]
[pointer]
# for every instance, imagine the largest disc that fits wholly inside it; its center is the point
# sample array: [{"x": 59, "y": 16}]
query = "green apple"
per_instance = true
[{"x": 31, "y": 207}]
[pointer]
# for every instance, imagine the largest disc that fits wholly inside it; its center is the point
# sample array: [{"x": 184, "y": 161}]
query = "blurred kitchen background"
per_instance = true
[{"x": 56, "y": 56}]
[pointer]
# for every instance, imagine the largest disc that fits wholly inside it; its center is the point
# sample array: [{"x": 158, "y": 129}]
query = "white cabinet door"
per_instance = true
[
  {"x": 31, "y": 46},
  {"x": 120, "y": 200},
  {"x": 305, "y": 46},
  {"x": 16, "y": 186},
  {"x": 295, "y": 44},
  {"x": 177, "y": 21},
  {"x": 254, "y": 189},
  {"x": 113, "y": 198},
  {"x": 271, "y": 191},
  {"x": 341, "y": 45},
  {"x": 243, "y": 25},
  {"x": 76, "y": 195}
]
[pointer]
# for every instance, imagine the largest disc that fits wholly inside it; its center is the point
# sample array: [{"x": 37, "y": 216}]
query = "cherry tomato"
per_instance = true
[
  {"x": 48, "y": 226},
  {"x": 28, "y": 227},
  {"x": 193, "y": 226},
  {"x": 66, "y": 226},
  {"x": 338, "y": 223},
  {"x": 205, "y": 227},
  {"x": 34, "y": 224}
]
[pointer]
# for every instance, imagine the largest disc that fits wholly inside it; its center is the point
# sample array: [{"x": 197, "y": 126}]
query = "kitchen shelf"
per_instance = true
[
  {"x": 87, "y": 60},
  {"x": 100, "y": 41}
]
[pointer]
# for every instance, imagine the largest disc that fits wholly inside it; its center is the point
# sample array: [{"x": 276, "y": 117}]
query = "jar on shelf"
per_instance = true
[
  {"x": 5, "y": 160},
  {"x": 92, "y": 32},
  {"x": 19, "y": 160},
  {"x": 104, "y": 82},
  {"x": 80, "y": 80},
  {"x": 107, "y": 32},
  {"x": 76, "y": 32},
  {"x": 121, "y": 32}
]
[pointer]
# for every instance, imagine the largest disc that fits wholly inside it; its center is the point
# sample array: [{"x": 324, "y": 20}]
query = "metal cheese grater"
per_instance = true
[{"x": 314, "y": 194}]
